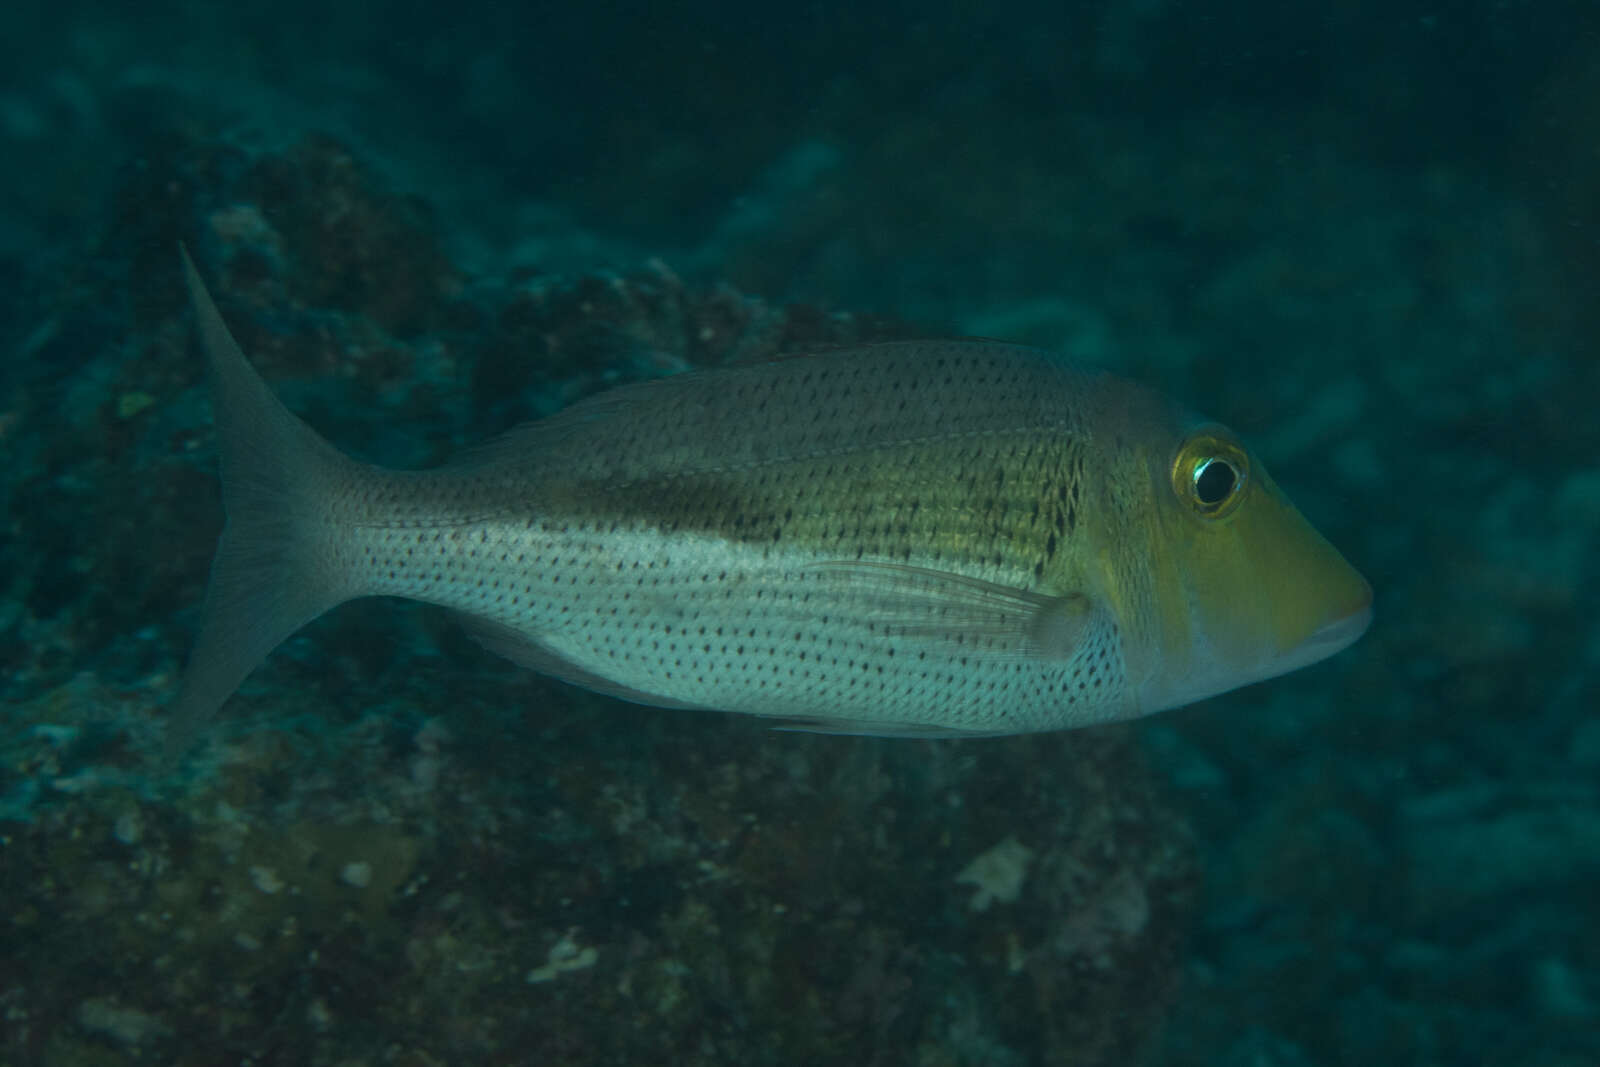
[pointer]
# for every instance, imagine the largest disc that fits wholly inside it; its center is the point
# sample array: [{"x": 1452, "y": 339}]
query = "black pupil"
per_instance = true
[{"x": 1214, "y": 481}]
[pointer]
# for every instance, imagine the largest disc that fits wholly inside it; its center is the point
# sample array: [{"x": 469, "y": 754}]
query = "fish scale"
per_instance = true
[
  {"x": 690, "y": 571},
  {"x": 922, "y": 538}
]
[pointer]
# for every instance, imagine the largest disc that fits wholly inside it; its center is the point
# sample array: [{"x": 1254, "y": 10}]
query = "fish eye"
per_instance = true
[
  {"x": 1214, "y": 480},
  {"x": 1210, "y": 472}
]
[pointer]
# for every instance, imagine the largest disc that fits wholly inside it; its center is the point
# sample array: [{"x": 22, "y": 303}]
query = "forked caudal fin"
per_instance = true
[{"x": 266, "y": 580}]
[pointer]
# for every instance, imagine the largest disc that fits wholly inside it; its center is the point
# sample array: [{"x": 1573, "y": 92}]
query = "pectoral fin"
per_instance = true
[{"x": 970, "y": 612}]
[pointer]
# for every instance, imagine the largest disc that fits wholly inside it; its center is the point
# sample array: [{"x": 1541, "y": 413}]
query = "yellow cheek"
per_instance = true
[{"x": 1266, "y": 580}]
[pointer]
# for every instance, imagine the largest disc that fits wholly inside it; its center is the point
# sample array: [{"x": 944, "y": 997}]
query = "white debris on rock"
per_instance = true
[
  {"x": 266, "y": 879},
  {"x": 998, "y": 873},
  {"x": 357, "y": 875},
  {"x": 128, "y": 828},
  {"x": 130, "y": 1026},
  {"x": 565, "y": 955}
]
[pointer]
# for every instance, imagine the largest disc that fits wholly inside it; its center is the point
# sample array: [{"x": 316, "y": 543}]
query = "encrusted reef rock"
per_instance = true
[{"x": 395, "y": 849}]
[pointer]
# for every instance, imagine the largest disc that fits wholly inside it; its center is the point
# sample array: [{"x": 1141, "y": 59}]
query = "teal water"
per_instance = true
[{"x": 1367, "y": 238}]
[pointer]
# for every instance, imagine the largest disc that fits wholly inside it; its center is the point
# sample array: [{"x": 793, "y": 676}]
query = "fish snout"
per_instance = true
[{"x": 1344, "y": 629}]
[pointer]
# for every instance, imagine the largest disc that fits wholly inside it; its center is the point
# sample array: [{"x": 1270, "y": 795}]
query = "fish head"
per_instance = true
[{"x": 1244, "y": 586}]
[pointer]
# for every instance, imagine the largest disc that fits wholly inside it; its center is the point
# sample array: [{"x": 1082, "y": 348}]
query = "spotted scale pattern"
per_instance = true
[{"x": 895, "y": 539}]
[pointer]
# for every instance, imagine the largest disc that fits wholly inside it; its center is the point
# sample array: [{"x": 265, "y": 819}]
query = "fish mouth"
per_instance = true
[
  {"x": 1327, "y": 639},
  {"x": 1341, "y": 633}
]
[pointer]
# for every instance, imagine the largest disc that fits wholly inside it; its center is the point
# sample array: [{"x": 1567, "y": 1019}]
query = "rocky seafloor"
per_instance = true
[{"x": 395, "y": 849}]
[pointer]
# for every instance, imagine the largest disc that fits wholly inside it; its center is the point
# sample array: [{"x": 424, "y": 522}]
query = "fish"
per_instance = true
[{"x": 914, "y": 539}]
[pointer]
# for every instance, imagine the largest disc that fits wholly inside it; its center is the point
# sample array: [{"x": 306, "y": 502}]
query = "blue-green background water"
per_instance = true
[{"x": 1366, "y": 235}]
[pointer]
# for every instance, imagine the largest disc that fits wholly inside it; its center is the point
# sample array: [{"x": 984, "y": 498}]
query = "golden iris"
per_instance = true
[{"x": 1211, "y": 472}]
